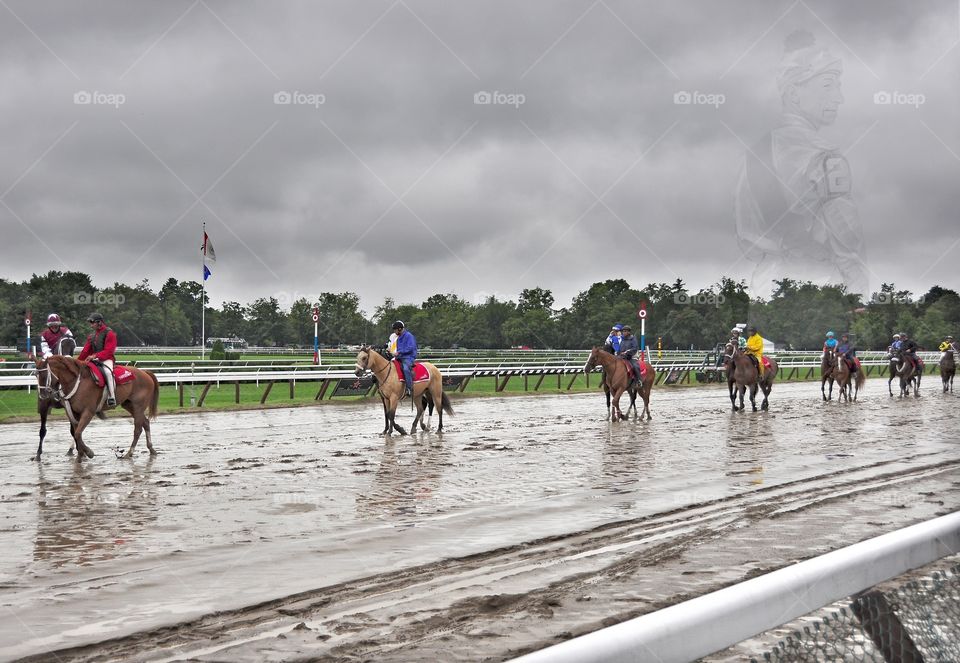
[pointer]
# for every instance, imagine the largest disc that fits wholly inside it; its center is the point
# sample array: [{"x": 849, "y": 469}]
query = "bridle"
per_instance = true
[{"x": 361, "y": 369}]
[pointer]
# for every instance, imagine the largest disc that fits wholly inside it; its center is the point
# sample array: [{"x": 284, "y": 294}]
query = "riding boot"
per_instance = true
[{"x": 111, "y": 387}]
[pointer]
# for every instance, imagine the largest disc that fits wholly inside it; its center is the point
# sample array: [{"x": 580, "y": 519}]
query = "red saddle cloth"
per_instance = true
[
  {"x": 766, "y": 362},
  {"x": 120, "y": 374},
  {"x": 632, "y": 373},
  {"x": 420, "y": 372}
]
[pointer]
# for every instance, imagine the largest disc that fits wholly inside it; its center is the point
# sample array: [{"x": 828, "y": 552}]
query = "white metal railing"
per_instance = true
[
  {"x": 699, "y": 627},
  {"x": 20, "y": 374}
]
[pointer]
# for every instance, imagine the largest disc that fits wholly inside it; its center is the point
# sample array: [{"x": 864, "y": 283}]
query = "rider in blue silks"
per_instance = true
[
  {"x": 406, "y": 353},
  {"x": 612, "y": 344}
]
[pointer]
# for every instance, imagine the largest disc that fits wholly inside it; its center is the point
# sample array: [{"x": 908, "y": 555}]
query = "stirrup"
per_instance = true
[{"x": 111, "y": 402}]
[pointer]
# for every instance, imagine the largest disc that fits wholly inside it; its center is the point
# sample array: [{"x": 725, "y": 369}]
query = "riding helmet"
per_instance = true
[
  {"x": 94, "y": 317},
  {"x": 53, "y": 319},
  {"x": 829, "y": 334},
  {"x": 618, "y": 327},
  {"x": 397, "y": 325},
  {"x": 627, "y": 328}
]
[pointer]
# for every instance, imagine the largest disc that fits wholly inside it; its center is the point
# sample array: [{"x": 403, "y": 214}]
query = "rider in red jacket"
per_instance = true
[{"x": 100, "y": 347}]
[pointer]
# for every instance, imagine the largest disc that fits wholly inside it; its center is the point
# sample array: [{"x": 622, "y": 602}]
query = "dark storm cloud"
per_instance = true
[{"x": 303, "y": 198}]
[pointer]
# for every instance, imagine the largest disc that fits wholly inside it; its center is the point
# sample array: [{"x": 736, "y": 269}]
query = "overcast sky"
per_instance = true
[{"x": 384, "y": 177}]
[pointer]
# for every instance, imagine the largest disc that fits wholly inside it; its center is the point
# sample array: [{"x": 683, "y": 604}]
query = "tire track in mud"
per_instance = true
[{"x": 389, "y": 613}]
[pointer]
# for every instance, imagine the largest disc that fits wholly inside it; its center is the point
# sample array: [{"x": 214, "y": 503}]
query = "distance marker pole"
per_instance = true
[
  {"x": 316, "y": 339},
  {"x": 643, "y": 327}
]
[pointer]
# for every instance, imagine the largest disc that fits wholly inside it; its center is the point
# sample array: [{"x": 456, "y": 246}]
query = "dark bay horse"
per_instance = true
[
  {"x": 83, "y": 399},
  {"x": 616, "y": 380},
  {"x": 846, "y": 381},
  {"x": 47, "y": 390},
  {"x": 827, "y": 366},
  {"x": 746, "y": 375},
  {"x": 909, "y": 374},
  {"x": 893, "y": 357},
  {"x": 391, "y": 388},
  {"x": 948, "y": 369}
]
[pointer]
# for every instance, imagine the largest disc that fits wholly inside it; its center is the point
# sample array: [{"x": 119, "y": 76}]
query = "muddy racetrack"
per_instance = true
[{"x": 303, "y": 534}]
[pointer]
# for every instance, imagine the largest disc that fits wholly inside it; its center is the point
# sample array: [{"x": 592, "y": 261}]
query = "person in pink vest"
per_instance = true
[{"x": 50, "y": 338}]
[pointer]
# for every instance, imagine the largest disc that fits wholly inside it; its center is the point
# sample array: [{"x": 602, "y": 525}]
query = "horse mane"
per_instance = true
[{"x": 76, "y": 368}]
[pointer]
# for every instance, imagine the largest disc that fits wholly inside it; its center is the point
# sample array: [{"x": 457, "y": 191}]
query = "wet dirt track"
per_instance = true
[{"x": 302, "y": 534}]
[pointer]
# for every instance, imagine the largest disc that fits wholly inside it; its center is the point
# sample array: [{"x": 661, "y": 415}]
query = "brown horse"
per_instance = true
[
  {"x": 391, "y": 387},
  {"x": 746, "y": 374},
  {"x": 616, "y": 379},
  {"x": 47, "y": 391},
  {"x": 948, "y": 369},
  {"x": 893, "y": 358},
  {"x": 909, "y": 374},
  {"x": 83, "y": 399},
  {"x": 844, "y": 378},
  {"x": 827, "y": 366}
]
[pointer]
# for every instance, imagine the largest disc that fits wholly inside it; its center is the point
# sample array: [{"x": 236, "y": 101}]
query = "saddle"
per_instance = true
[
  {"x": 854, "y": 365},
  {"x": 420, "y": 372},
  {"x": 631, "y": 373},
  {"x": 121, "y": 375}
]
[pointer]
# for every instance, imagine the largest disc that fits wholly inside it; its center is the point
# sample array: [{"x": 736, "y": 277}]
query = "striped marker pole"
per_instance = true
[{"x": 642, "y": 313}]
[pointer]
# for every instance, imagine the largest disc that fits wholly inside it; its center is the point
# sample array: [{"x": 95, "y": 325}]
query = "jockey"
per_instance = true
[
  {"x": 629, "y": 347},
  {"x": 100, "y": 347},
  {"x": 755, "y": 348},
  {"x": 737, "y": 339},
  {"x": 895, "y": 345},
  {"x": 908, "y": 347},
  {"x": 947, "y": 346},
  {"x": 52, "y": 335},
  {"x": 829, "y": 344},
  {"x": 392, "y": 344},
  {"x": 848, "y": 351},
  {"x": 406, "y": 353},
  {"x": 612, "y": 344}
]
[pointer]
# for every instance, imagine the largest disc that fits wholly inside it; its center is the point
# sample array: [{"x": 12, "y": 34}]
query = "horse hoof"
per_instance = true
[{"x": 35, "y": 459}]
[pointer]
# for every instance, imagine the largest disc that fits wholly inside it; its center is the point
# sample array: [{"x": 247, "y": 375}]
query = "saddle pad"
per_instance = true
[
  {"x": 766, "y": 362},
  {"x": 120, "y": 374},
  {"x": 631, "y": 372},
  {"x": 420, "y": 372}
]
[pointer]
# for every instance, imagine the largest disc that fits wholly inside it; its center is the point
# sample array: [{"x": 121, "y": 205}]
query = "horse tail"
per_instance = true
[
  {"x": 445, "y": 403},
  {"x": 861, "y": 378},
  {"x": 155, "y": 399}
]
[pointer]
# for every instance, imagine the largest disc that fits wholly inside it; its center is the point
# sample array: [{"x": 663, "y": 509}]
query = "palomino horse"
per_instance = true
[
  {"x": 909, "y": 373},
  {"x": 845, "y": 377},
  {"x": 391, "y": 387},
  {"x": 616, "y": 379},
  {"x": 746, "y": 374},
  {"x": 47, "y": 390},
  {"x": 82, "y": 399},
  {"x": 948, "y": 369},
  {"x": 827, "y": 366}
]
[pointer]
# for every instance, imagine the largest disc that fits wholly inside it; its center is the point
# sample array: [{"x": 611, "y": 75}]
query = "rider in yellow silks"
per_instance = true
[{"x": 755, "y": 347}]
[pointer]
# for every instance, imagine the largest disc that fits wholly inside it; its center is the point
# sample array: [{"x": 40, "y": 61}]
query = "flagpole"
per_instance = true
[{"x": 203, "y": 293}]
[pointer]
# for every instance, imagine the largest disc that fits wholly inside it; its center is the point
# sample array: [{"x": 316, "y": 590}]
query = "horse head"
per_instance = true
[
  {"x": 729, "y": 351},
  {"x": 592, "y": 360},
  {"x": 47, "y": 383},
  {"x": 363, "y": 360}
]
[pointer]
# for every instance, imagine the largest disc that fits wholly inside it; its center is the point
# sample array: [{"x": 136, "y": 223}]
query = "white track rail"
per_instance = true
[{"x": 706, "y": 624}]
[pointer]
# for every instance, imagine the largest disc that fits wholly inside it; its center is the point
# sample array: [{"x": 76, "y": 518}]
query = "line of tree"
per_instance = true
[{"x": 797, "y": 315}]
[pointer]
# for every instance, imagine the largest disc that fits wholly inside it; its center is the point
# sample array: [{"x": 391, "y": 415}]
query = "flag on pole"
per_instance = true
[
  {"x": 208, "y": 251},
  {"x": 206, "y": 273}
]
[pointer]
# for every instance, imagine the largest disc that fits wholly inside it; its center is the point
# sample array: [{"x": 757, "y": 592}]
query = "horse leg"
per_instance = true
[
  {"x": 386, "y": 416},
  {"x": 766, "y": 394},
  {"x": 394, "y": 401},
  {"x": 753, "y": 396},
  {"x": 606, "y": 390},
  {"x": 44, "y": 407},
  {"x": 741, "y": 390},
  {"x": 645, "y": 393},
  {"x": 733, "y": 395},
  {"x": 146, "y": 429},
  {"x": 82, "y": 448},
  {"x": 617, "y": 414},
  {"x": 419, "y": 418}
]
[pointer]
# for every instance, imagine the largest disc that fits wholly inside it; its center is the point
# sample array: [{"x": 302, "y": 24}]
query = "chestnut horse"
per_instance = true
[
  {"x": 827, "y": 365},
  {"x": 845, "y": 377},
  {"x": 392, "y": 388},
  {"x": 616, "y": 379},
  {"x": 83, "y": 399},
  {"x": 47, "y": 390},
  {"x": 746, "y": 374}
]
